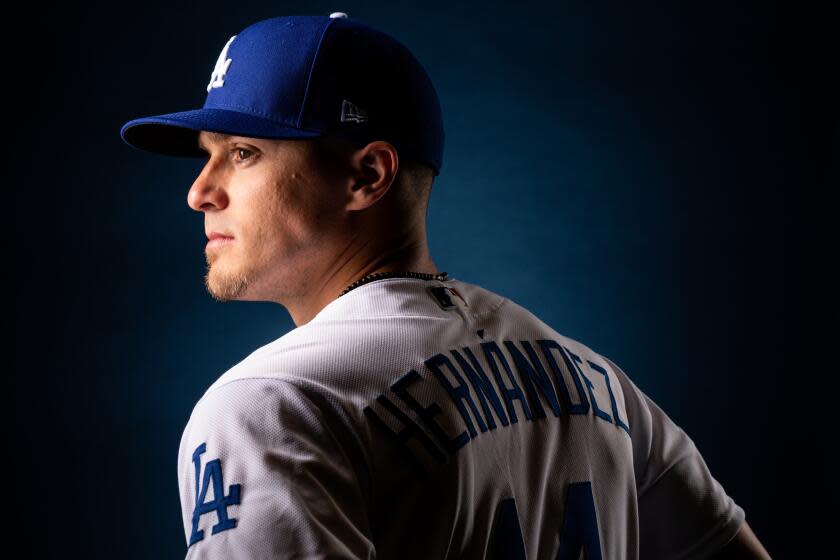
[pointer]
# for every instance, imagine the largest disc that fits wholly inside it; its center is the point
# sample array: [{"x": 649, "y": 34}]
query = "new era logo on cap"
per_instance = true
[{"x": 350, "y": 112}]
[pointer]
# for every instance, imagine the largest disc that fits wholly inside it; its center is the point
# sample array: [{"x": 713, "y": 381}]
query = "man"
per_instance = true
[{"x": 408, "y": 414}]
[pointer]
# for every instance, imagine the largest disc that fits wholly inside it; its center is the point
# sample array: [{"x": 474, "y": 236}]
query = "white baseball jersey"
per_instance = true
[{"x": 435, "y": 419}]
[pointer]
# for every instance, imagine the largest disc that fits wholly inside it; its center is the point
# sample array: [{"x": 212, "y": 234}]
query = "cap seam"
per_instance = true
[
  {"x": 312, "y": 70},
  {"x": 250, "y": 111}
]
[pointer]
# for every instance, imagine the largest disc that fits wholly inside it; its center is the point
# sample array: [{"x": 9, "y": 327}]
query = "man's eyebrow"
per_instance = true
[{"x": 213, "y": 136}]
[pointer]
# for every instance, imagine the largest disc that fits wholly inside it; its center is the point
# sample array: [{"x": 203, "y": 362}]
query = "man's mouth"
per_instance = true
[
  {"x": 218, "y": 240},
  {"x": 216, "y": 235}
]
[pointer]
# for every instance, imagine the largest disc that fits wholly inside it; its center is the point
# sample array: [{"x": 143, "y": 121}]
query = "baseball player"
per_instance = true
[{"x": 408, "y": 414}]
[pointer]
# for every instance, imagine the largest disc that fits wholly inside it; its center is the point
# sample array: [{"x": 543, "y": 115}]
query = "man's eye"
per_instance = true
[{"x": 237, "y": 152}]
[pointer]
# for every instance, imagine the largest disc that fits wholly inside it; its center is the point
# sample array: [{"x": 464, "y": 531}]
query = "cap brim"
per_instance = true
[{"x": 176, "y": 134}]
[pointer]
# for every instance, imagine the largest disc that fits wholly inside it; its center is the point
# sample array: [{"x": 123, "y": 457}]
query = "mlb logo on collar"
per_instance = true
[{"x": 447, "y": 297}]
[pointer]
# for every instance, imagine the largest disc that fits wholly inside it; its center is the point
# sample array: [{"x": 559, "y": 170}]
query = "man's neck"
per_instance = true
[{"x": 408, "y": 258}]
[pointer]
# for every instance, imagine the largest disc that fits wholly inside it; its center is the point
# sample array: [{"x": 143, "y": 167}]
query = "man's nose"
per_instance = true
[{"x": 207, "y": 192}]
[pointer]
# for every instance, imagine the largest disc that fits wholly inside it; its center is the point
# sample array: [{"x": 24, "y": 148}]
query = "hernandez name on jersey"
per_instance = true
[{"x": 436, "y": 419}]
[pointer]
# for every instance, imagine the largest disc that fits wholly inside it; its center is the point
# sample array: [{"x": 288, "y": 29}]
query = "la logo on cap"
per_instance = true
[{"x": 217, "y": 78}]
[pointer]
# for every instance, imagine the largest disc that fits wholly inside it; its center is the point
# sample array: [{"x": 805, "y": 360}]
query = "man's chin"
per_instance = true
[{"x": 225, "y": 287}]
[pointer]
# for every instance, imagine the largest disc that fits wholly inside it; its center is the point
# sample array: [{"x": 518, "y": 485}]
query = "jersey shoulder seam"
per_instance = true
[
  {"x": 215, "y": 388},
  {"x": 503, "y": 300}
]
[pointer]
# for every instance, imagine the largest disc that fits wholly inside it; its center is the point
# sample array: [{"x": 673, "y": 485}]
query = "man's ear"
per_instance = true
[{"x": 374, "y": 167}]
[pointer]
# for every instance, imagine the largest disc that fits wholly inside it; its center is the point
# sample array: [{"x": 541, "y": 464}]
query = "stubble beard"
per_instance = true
[{"x": 224, "y": 285}]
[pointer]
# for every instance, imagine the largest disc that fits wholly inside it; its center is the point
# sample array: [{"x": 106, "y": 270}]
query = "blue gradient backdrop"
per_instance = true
[{"x": 650, "y": 180}]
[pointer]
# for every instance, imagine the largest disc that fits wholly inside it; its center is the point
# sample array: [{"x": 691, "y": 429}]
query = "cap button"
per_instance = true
[{"x": 338, "y": 15}]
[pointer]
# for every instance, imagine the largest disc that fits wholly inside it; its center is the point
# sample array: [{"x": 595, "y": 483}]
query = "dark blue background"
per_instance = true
[{"x": 654, "y": 181}]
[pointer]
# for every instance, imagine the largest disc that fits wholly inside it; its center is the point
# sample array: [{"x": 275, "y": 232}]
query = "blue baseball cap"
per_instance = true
[{"x": 306, "y": 77}]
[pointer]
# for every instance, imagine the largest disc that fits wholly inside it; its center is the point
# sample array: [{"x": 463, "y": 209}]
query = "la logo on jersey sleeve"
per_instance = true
[{"x": 212, "y": 479}]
